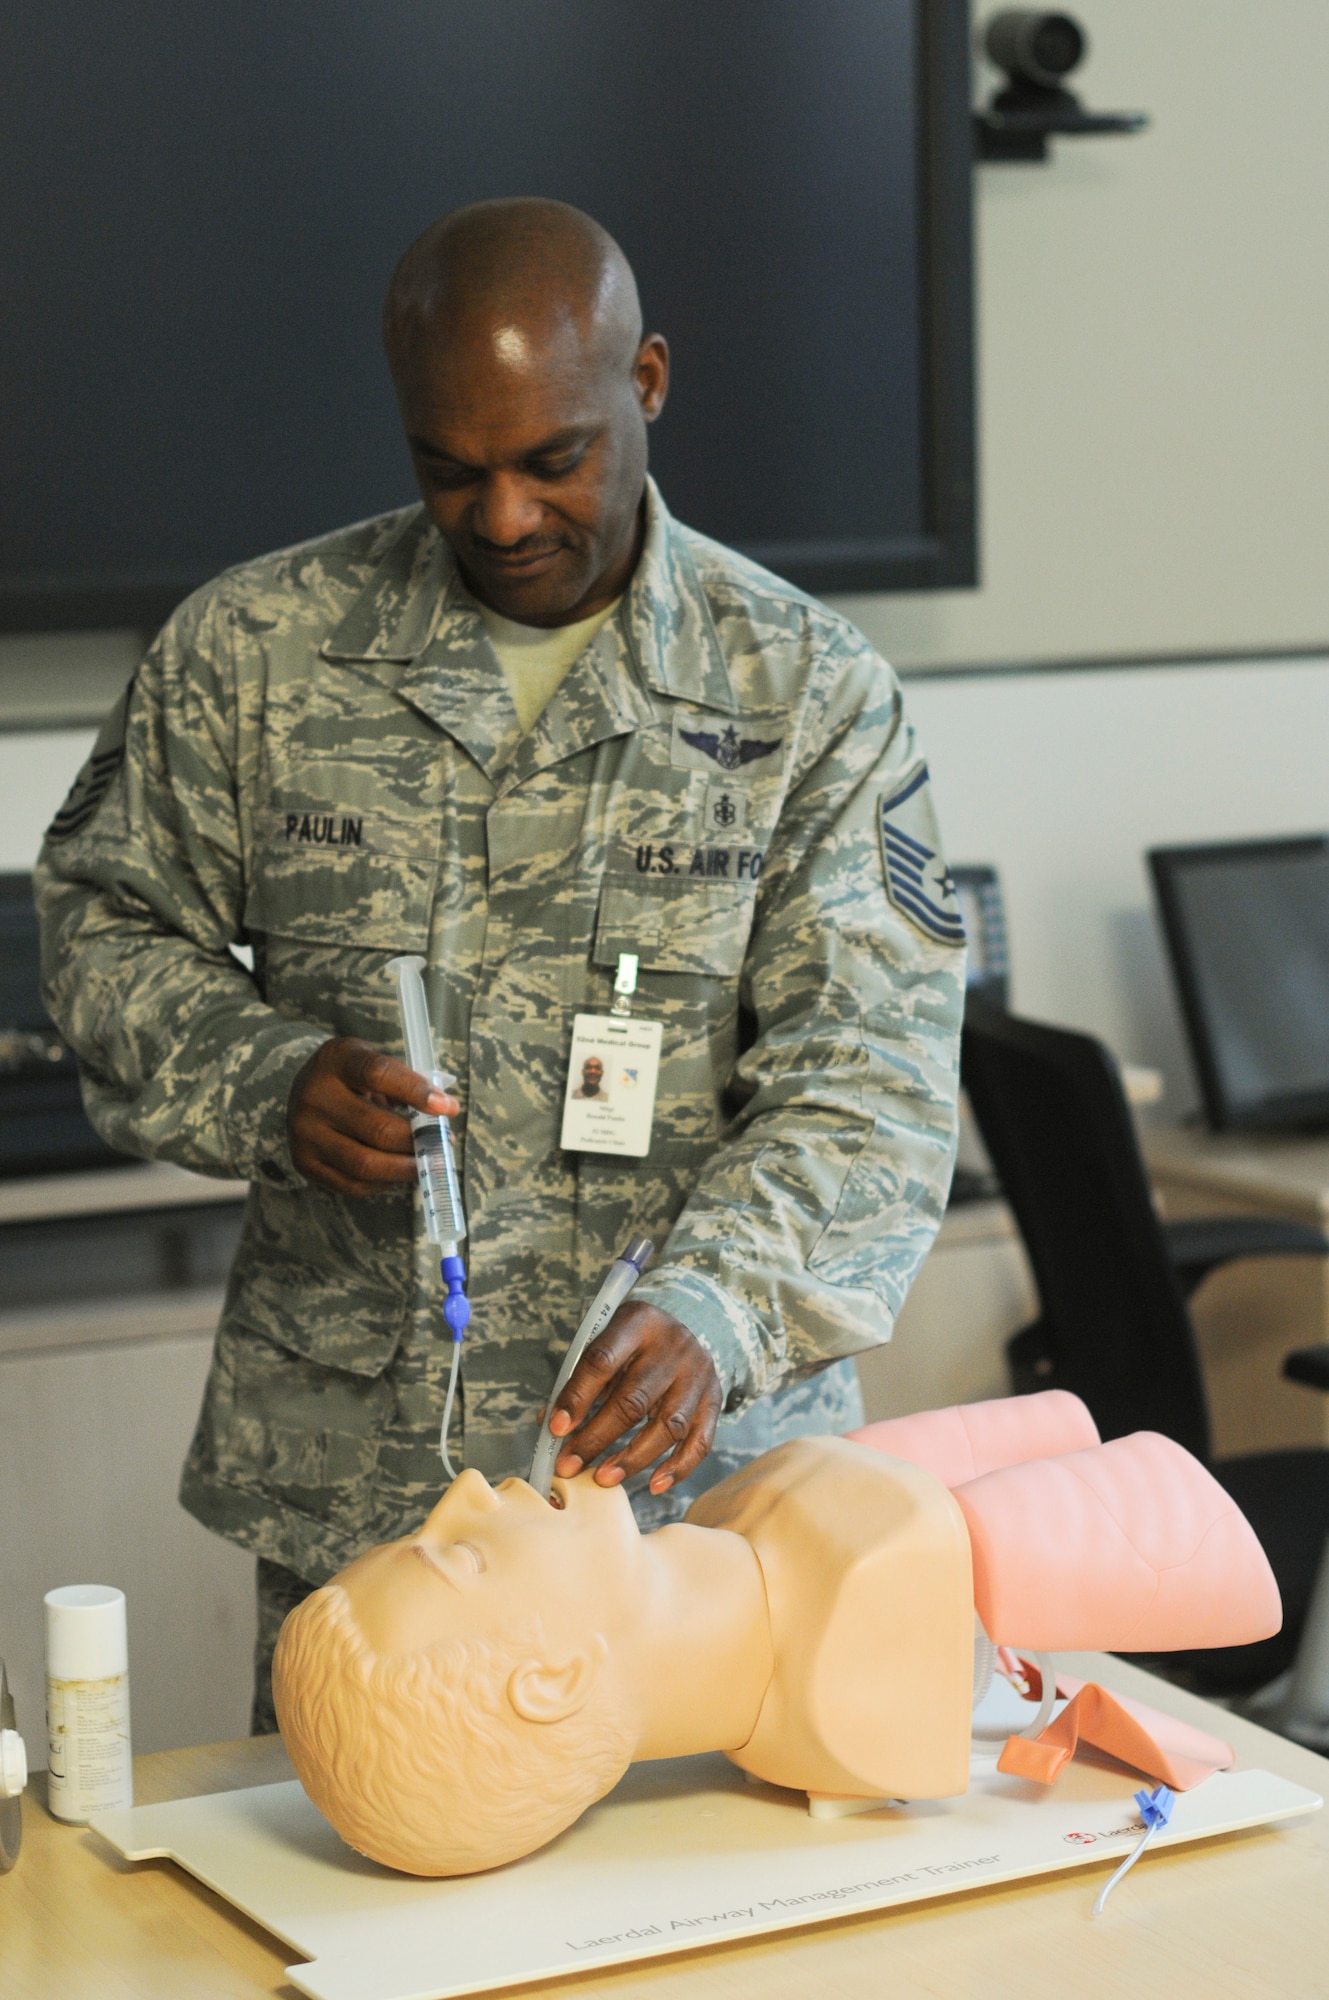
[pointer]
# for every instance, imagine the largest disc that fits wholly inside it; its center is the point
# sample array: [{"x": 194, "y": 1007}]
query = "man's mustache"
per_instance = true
[{"x": 529, "y": 545}]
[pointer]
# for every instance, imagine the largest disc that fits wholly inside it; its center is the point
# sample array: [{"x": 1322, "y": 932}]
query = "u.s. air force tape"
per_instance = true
[
  {"x": 918, "y": 881},
  {"x": 94, "y": 780}
]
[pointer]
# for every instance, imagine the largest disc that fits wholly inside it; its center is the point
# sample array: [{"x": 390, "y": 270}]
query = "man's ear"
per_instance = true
[{"x": 541, "y": 1692}]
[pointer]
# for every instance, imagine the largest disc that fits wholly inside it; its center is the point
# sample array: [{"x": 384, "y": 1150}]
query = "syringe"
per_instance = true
[
  {"x": 436, "y": 1165},
  {"x": 619, "y": 1279}
]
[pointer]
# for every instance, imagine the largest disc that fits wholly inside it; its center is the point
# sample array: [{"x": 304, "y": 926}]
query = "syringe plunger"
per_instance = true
[{"x": 414, "y": 1010}]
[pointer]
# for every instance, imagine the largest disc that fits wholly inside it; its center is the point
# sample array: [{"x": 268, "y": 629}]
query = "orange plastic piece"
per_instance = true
[{"x": 1131, "y": 1731}]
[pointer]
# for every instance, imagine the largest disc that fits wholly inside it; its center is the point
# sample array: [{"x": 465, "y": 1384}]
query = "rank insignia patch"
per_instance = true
[
  {"x": 917, "y": 878},
  {"x": 94, "y": 781}
]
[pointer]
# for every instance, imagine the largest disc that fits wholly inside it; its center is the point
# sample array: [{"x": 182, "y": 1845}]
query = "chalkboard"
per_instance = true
[{"x": 203, "y": 204}]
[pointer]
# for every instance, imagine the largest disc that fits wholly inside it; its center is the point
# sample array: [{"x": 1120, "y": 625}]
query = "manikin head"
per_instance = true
[
  {"x": 514, "y": 335},
  {"x": 443, "y": 1705}
]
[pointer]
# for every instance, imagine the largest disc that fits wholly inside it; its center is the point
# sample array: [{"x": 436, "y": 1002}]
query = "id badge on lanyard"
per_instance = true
[{"x": 613, "y": 1073}]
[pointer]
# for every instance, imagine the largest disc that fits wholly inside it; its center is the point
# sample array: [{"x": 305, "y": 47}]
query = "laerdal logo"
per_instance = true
[{"x": 325, "y": 829}]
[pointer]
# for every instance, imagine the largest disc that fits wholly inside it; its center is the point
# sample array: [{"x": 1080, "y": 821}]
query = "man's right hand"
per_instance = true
[{"x": 344, "y": 1133}]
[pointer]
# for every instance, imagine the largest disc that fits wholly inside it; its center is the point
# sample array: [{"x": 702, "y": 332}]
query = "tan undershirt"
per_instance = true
[{"x": 535, "y": 658}]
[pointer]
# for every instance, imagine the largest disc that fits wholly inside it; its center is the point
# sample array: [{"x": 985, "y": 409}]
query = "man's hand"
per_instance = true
[
  {"x": 344, "y": 1134},
  {"x": 645, "y": 1368}
]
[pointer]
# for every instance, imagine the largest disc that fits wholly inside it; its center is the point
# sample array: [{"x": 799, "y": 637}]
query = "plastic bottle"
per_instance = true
[{"x": 87, "y": 1701}]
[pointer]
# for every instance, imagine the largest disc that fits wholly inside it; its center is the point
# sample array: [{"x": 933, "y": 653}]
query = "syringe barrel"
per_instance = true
[{"x": 436, "y": 1165}]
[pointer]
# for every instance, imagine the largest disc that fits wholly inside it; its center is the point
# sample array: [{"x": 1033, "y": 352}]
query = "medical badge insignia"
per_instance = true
[
  {"x": 917, "y": 878},
  {"x": 727, "y": 748},
  {"x": 726, "y": 810}
]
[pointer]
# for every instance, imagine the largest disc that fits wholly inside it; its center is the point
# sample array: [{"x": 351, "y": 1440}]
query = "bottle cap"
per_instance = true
[
  {"x": 86, "y": 1639},
  {"x": 13, "y": 1764}
]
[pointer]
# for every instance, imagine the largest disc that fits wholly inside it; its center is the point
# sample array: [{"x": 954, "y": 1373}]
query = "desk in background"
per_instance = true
[
  {"x": 976, "y": 1289},
  {"x": 1249, "y": 1315}
]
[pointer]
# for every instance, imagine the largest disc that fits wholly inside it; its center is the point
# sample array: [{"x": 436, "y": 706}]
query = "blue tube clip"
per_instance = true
[
  {"x": 1156, "y": 1806},
  {"x": 456, "y": 1307}
]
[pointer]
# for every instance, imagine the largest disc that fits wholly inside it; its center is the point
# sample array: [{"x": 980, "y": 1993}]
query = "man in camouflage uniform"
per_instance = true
[{"x": 321, "y": 756}]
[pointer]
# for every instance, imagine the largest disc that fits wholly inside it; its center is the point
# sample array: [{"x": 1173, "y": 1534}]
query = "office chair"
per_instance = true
[{"x": 1113, "y": 1281}]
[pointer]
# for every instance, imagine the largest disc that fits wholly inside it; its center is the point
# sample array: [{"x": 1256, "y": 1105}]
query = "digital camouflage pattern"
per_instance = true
[{"x": 320, "y": 757}]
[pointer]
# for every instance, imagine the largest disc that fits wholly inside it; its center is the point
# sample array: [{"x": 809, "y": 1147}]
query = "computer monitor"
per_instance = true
[
  {"x": 988, "y": 965},
  {"x": 1247, "y": 929}
]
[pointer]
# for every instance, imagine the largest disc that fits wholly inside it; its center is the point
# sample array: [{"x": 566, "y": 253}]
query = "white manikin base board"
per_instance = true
[{"x": 680, "y": 1855}]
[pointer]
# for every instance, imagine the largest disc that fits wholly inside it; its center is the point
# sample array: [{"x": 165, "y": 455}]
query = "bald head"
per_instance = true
[
  {"x": 529, "y": 275},
  {"x": 514, "y": 334}
]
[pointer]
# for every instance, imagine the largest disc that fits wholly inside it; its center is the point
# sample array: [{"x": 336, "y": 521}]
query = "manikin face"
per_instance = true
[{"x": 489, "y": 1555}]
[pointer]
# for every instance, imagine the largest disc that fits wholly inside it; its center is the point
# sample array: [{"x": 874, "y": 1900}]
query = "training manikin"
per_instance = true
[{"x": 454, "y": 1700}]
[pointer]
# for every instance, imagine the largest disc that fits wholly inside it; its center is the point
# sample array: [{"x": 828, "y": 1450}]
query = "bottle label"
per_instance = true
[{"x": 88, "y": 1750}]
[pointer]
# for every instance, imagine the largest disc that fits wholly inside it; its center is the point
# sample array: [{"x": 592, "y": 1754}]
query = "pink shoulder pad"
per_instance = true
[
  {"x": 969, "y": 1439},
  {"x": 1128, "y": 1547}
]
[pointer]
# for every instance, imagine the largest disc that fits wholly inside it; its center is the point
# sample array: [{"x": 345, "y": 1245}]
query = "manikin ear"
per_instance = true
[{"x": 541, "y": 1692}]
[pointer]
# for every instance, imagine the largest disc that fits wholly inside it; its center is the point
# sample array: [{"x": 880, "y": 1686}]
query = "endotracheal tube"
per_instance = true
[{"x": 436, "y": 1165}]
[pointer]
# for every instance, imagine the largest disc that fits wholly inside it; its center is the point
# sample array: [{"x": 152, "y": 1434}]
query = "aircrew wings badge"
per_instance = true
[
  {"x": 727, "y": 748},
  {"x": 917, "y": 878}
]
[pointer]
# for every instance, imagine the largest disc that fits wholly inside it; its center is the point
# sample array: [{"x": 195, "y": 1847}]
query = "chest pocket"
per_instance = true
[
  {"x": 674, "y": 925},
  {"x": 331, "y": 877}
]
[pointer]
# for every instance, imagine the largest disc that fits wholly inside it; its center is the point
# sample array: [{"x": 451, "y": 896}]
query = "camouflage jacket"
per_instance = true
[{"x": 320, "y": 757}]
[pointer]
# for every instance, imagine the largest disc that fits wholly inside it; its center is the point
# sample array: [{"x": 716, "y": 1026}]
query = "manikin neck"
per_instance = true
[{"x": 702, "y": 1657}]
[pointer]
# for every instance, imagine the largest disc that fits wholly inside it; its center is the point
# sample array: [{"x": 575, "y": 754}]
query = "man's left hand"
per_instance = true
[{"x": 647, "y": 1369}]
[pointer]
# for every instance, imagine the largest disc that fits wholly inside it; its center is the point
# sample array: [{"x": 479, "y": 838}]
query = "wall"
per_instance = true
[
  {"x": 36, "y": 770},
  {"x": 1153, "y": 320},
  {"x": 92, "y": 1438},
  {"x": 1064, "y": 779}
]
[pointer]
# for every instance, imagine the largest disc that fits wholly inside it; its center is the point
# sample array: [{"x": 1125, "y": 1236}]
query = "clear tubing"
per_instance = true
[
  {"x": 1100, "y": 1899},
  {"x": 1155, "y": 1811},
  {"x": 982, "y": 1753},
  {"x": 621, "y": 1276},
  {"x": 448, "y": 1401}
]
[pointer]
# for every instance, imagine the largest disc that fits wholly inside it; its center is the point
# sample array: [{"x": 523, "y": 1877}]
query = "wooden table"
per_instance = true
[
  {"x": 1250, "y": 1314},
  {"x": 1240, "y": 1918}
]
